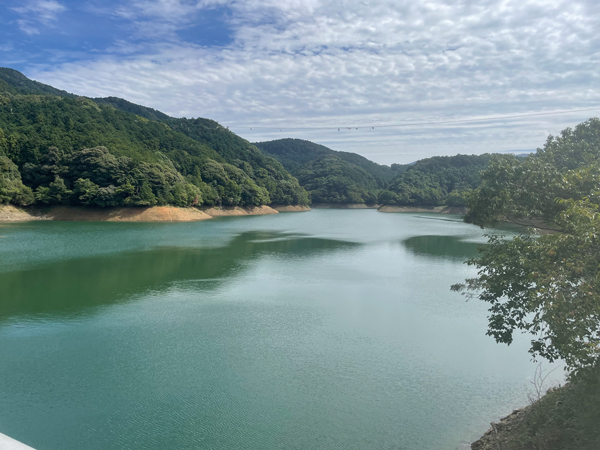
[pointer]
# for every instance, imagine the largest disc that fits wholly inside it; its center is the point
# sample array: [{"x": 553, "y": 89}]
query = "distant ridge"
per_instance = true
[
  {"x": 330, "y": 176},
  {"x": 294, "y": 153}
]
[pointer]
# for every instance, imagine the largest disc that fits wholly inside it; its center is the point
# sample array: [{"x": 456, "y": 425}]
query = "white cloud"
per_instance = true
[
  {"x": 40, "y": 11},
  {"x": 348, "y": 63},
  {"x": 27, "y": 28}
]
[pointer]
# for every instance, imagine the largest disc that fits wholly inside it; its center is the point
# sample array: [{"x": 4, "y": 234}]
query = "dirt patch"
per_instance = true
[
  {"x": 290, "y": 208},
  {"x": 225, "y": 211},
  {"x": 10, "y": 213},
  {"x": 147, "y": 214},
  {"x": 420, "y": 209},
  {"x": 126, "y": 214}
]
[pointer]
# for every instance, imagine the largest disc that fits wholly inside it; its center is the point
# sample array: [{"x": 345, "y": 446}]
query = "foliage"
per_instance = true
[
  {"x": 441, "y": 180},
  {"x": 330, "y": 179},
  {"x": 138, "y": 110},
  {"x": 265, "y": 171},
  {"x": 12, "y": 188},
  {"x": 546, "y": 285},
  {"x": 524, "y": 191},
  {"x": 295, "y": 153},
  {"x": 330, "y": 176},
  {"x": 53, "y": 138},
  {"x": 18, "y": 83}
]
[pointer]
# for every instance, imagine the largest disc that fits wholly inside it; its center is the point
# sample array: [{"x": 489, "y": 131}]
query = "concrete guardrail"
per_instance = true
[{"x": 7, "y": 443}]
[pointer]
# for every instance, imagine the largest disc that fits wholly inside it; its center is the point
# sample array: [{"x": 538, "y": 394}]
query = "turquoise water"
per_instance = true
[{"x": 332, "y": 329}]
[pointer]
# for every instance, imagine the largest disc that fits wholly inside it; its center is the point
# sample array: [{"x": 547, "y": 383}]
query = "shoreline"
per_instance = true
[
  {"x": 11, "y": 213},
  {"x": 420, "y": 209},
  {"x": 343, "y": 206}
]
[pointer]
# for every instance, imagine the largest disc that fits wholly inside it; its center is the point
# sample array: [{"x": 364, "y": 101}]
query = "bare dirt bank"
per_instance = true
[
  {"x": 9, "y": 213},
  {"x": 416, "y": 209},
  {"x": 149, "y": 214},
  {"x": 344, "y": 206},
  {"x": 290, "y": 208},
  {"x": 239, "y": 211}
]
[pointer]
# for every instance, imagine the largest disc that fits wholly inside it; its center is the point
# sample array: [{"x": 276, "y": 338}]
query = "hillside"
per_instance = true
[
  {"x": 110, "y": 152},
  {"x": 440, "y": 180},
  {"x": 330, "y": 176},
  {"x": 342, "y": 177},
  {"x": 294, "y": 153}
]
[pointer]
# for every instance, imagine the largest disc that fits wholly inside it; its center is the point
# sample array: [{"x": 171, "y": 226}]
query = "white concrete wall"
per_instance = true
[{"x": 7, "y": 443}]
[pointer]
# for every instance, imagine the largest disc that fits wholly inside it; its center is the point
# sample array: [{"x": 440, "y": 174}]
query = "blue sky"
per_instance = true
[{"x": 309, "y": 67}]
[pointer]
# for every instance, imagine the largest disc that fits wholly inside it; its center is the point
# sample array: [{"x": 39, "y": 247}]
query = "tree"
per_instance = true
[
  {"x": 12, "y": 188},
  {"x": 547, "y": 285}
]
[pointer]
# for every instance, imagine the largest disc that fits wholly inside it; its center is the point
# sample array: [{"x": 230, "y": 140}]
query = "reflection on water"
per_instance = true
[
  {"x": 453, "y": 247},
  {"x": 72, "y": 285},
  {"x": 296, "y": 331}
]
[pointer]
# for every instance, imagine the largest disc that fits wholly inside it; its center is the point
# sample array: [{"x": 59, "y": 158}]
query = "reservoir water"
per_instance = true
[{"x": 331, "y": 329}]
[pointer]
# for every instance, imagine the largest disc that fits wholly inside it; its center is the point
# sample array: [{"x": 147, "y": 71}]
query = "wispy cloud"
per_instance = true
[
  {"x": 38, "y": 12},
  {"x": 297, "y": 63}
]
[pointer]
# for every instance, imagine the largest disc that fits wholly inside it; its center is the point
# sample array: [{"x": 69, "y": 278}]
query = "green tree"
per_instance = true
[
  {"x": 549, "y": 284},
  {"x": 12, "y": 188}
]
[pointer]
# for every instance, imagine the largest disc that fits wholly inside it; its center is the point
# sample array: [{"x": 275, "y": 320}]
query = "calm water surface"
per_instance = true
[{"x": 330, "y": 329}]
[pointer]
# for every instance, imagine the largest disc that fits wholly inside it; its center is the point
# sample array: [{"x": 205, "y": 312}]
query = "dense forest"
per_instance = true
[
  {"x": 328, "y": 175},
  {"x": 441, "y": 180},
  {"x": 56, "y": 148},
  {"x": 341, "y": 177}
]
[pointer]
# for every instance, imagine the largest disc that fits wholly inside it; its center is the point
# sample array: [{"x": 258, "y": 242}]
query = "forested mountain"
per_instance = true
[
  {"x": 15, "y": 82},
  {"x": 124, "y": 105},
  {"x": 107, "y": 152},
  {"x": 294, "y": 153},
  {"x": 330, "y": 179},
  {"x": 58, "y": 148},
  {"x": 342, "y": 177},
  {"x": 330, "y": 176},
  {"x": 441, "y": 180}
]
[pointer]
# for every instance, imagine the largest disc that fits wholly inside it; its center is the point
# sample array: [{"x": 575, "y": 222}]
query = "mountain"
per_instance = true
[
  {"x": 111, "y": 152},
  {"x": 440, "y": 180},
  {"x": 16, "y": 83},
  {"x": 330, "y": 176},
  {"x": 294, "y": 153},
  {"x": 342, "y": 177}
]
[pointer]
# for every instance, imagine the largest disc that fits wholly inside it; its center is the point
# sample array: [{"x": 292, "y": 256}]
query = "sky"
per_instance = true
[{"x": 393, "y": 80}]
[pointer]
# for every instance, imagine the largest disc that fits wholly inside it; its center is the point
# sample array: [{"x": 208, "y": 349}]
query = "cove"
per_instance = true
[{"x": 326, "y": 329}]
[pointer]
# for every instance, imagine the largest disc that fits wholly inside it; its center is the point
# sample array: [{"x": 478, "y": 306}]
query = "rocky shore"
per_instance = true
[{"x": 565, "y": 418}]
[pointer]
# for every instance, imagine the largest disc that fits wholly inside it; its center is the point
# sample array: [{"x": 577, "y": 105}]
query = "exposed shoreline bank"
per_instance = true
[
  {"x": 427, "y": 209},
  {"x": 343, "y": 206},
  {"x": 10, "y": 213}
]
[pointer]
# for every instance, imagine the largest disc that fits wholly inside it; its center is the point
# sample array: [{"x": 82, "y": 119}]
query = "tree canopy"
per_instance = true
[
  {"x": 330, "y": 176},
  {"x": 330, "y": 179},
  {"x": 547, "y": 285},
  {"x": 110, "y": 152},
  {"x": 440, "y": 180}
]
